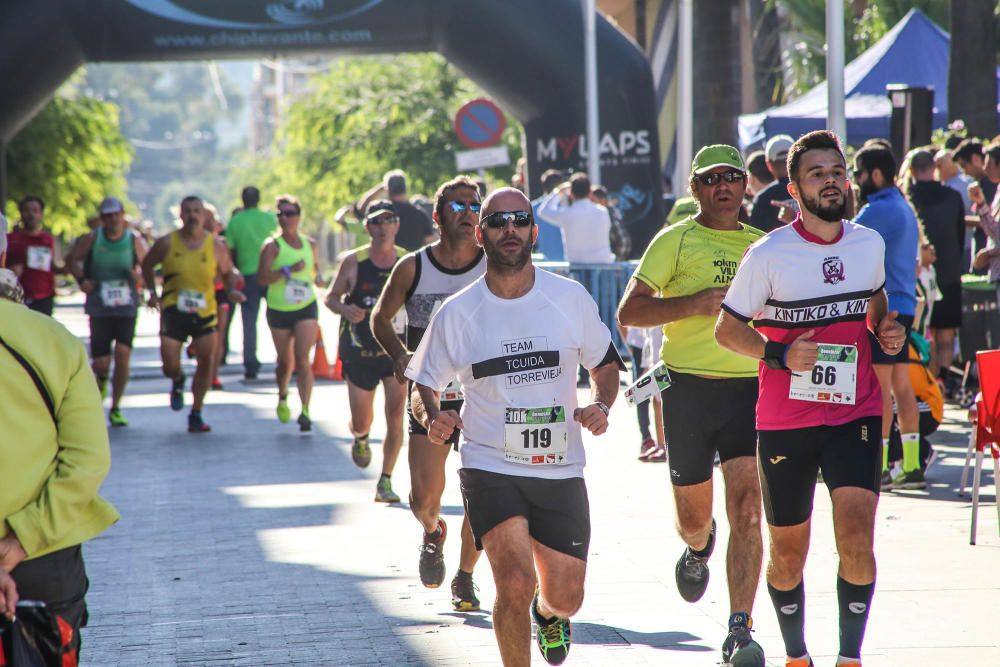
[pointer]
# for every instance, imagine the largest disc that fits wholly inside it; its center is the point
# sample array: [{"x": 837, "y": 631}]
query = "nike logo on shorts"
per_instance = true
[
  {"x": 577, "y": 544},
  {"x": 777, "y": 459}
]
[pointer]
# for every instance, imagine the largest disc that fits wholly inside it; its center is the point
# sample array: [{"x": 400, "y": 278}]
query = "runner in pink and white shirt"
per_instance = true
[{"x": 812, "y": 290}]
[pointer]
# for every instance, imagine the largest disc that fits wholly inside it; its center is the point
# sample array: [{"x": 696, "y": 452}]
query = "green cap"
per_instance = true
[{"x": 718, "y": 155}]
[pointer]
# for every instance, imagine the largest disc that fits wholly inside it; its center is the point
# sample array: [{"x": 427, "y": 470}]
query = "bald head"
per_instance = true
[
  {"x": 505, "y": 199},
  {"x": 946, "y": 167}
]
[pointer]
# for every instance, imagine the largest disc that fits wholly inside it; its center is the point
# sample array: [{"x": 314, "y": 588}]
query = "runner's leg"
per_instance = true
[
  {"x": 395, "y": 410},
  {"x": 854, "y": 530},
  {"x": 304, "y": 334},
  {"x": 119, "y": 380},
  {"x": 204, "y": 349},
  {"x": 427, "y": 462},
  {"x": 283, "y": 369},
  {"x": 469, "y": 555},
  {"x": 789, "y": 546},
  {"x": 508, "y": 547},
  {"x": 170, "y": 355},
  {"x": 560, "y": 579},
  {"x": 694, "y": 513},
  {"x": 743, "y": 557},
  {"x": 361, "y": 402}
]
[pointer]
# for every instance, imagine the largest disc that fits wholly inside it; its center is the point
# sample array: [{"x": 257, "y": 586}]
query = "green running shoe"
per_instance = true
[
  {"x": 361, "y": 452},
  {"x": 117, "y": 418},
  {"x": 384, "y": 492},
  {"x": 913, "y": 479},
  {"x": 553, "y": 637},
  {"x": 284, "y": 413}
]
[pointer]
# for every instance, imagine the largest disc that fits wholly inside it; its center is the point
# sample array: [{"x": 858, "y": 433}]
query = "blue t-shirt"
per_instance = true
[
  {"x": 888, "y": 213},
  {"x": 549, "y": 241}
]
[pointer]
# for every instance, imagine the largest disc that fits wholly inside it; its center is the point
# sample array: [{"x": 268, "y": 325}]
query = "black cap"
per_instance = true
[{"x": 378, "y": 207}]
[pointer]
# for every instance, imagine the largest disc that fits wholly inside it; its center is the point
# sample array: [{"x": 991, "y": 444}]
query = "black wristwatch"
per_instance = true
[{"x": 774, "y": 355}]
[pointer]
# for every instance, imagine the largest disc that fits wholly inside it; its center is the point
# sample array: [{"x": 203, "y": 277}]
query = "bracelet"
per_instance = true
[{"x": 604, "y": 408}]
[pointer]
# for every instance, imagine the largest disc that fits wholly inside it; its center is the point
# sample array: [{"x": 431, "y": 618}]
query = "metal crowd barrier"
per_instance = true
[{"x": 605, "y": 282}]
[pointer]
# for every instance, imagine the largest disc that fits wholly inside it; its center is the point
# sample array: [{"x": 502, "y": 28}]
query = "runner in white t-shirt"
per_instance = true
[
  {"x": 514, "y": 339},
  {"x": 813, "y": 289}
]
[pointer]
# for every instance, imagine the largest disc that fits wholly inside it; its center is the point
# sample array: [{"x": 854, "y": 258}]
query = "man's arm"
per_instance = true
[
  {"x": 389, "y": 302},
  {"x": 347, "y": 275},
  {"x": 440, "y": 424},
  {"x": 736, "y": 335},
  {"x": 230, "y": 276},
  {"x": 362, "y": 204},
  {"x": 640, "y": 307},
  {"x": 155, "y": 255},
  {"x": 75, "y": 261},
  {"x": 553, "y": 210},
  {"x": 604, "y": 391}
]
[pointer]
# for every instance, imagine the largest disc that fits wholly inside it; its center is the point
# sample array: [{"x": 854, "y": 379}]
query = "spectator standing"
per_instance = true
[
  {"x": 549, "y": 241},
  {"x": 245, "y": 235},
  {"x": 31, "y": 255},
  {"x": 415, "y": 228},
  {"x": 586, "y": 226},
  {"x": 971, "y": 157},
  {"x": 765, "y": 215},
  {"x": 942, "y": 213},
  {"x": 989, "y": 214},
  {"x": 948, "y": 173},
  {"x": 759, "y": 176},
  {"x": 55, "y": 455},
  {"x": 620, "y": 239},
  {"x": 887, "y": 212}
]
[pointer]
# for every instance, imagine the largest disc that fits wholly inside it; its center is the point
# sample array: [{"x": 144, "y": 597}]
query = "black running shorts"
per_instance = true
[
  {"x": 849, "y": 455},
  {"x": 287, "y": 319},
  {"x": 366, "y": 372},
  {"x": 105, "y": 330},
  {"x": 557, "y": 510},
  {"x": 181, "y": 326},
  {"x": 947, "y": 313},
  {"x": 702, "y": 417}
]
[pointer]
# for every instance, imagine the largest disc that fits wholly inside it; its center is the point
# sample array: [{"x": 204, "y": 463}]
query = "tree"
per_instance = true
[
  {"x": 72, "y": 155},
  {"x": 972, "y": 79},
  {"x": 365, "y": 116}
]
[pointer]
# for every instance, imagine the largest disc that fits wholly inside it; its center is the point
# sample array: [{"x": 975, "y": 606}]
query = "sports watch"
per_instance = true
[{"x": 774, "y": 355}]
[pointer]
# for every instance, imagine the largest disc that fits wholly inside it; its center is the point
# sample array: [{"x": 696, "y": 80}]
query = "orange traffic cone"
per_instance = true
[{"x": 320, "y": 366}]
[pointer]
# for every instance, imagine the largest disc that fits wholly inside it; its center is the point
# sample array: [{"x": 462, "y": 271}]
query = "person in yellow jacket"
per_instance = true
[
  {"x": 288, "y": 270},
  {"x": 190, "y": 259},
  {"x": 55, "y": 454}
]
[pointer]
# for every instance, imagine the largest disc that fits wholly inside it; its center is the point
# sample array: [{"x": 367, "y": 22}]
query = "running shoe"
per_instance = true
[
  {"x": 799, "y": 662},
  {"x": 432, "y": 557},
  {"x": 463, "y": 592},
  {"x": 913, "y": 479},
  {"x": 177, "y": 394},
  {"x": 196, "y": 424},
  {"x": 361, "y": 452},
  {"x": 691, "y": 572},
  {"x": 658, "y": 455},
  {"x": 305, "y": 424},
  {"x": 646, "y": 445},
  {"x": 284, "y": 413},
  {"x": 117, "y": 418},
  {"x": 217, "y": 384},
  {"x": 740, "y": 650},
  {"x": 102, "y": 385},
  {"x": 384, "y": 492},
  {"x": 886, "y": 483},
  {"x": 554, "y": 637}
]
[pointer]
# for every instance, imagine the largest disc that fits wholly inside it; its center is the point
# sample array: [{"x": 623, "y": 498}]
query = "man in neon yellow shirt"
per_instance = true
[{"x": 710, "y": 407}]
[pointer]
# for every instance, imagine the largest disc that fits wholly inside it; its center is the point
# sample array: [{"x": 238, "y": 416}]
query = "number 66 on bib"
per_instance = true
[{"x": 833, "y": 379}]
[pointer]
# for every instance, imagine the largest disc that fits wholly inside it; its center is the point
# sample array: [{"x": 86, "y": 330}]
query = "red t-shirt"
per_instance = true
[{"x": 36, "y": 254}]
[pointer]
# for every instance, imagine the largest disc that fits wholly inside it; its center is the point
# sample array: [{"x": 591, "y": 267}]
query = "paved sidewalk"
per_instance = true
[{"x": 255, "y": 545}]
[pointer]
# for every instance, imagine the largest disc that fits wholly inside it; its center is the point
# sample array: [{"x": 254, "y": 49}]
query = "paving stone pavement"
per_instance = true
[{"x": 256, "y": 545}]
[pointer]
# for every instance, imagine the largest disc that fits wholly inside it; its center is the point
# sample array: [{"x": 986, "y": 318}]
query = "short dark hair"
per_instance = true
[
  {"x": 993, "y": 153},
  {"x": 967, "y": 149},
  {"x": 31, "y": 198},
  {"x": 288, "y": 199},
  {"x": 395, "y": 182},
  {"x": 953, "y": 141},
  {"x": 880, "y": 158},
  {"x": 579, "y": 185},
  {"x": 449, "y": 186},
  {"x": 811, "y": 141},
  {"x": 191, "y": 198},
  {"x": 757, "y": 166},
  {"x": 921, "y": 160},
  {"x": 550, "y": 179},
  {"x": 878, "y": 141},
  {"x": 250, "y": 197}
]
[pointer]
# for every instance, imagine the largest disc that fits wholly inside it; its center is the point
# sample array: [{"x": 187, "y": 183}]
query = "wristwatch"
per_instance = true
[
  {"x": 604, "y": 408},
  {"x": 774, "y": 355}
]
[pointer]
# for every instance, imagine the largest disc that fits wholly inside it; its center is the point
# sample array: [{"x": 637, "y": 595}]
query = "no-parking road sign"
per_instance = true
[{"x": 479, "y": 124}]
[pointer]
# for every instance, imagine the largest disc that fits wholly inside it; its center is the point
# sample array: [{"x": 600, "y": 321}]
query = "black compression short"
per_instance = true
[
  {"x": 366, "y": 372},
  {"x": 702, "y": 417},
  {"x": 106, "y": 330},
  {"x": 849, "y": 455},
  {"x": 557, "y": 510}
]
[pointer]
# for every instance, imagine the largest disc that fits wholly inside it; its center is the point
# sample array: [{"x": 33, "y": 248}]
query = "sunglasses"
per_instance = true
[
  {"x": 500, "y": 219},
  {"x": 727, "y": 176},
  {"x": 458, "y": 206},
  {"x": 383, "y": 220},
  {"x": 287, "y": 213}
]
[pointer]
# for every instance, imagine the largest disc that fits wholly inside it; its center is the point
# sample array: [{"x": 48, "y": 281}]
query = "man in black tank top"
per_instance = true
[
  {"x": 420, "y": 281},
  {"x": 362, "y": 275}
]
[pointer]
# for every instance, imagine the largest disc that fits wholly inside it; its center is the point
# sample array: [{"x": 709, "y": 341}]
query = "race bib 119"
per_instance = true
[{"x": 536, "y": 436}]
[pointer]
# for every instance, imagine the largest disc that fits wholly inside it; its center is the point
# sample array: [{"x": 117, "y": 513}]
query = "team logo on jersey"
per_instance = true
[{"x": 833, "y": 270}]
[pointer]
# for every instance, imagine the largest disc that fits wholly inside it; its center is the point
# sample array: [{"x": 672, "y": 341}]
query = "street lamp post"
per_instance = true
[{"x": 590, "y": 67}]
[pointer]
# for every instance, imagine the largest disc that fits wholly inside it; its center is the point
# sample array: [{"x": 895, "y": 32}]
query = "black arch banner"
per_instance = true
[{"x": 528, "y": 54}]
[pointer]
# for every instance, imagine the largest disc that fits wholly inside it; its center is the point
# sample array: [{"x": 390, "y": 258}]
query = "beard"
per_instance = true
[
  {"x": 507, "y": 262},
  {"x": 832, "y": 212},
  {"x": 866, "y": 189}
]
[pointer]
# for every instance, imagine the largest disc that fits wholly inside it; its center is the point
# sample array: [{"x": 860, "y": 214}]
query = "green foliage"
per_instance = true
[
  {"x": 72, "y": 155},
  {"x": 365, "y": 116}
]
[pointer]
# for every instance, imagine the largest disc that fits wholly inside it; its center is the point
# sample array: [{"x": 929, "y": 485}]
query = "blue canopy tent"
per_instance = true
[{"x": 915, "y": 52}]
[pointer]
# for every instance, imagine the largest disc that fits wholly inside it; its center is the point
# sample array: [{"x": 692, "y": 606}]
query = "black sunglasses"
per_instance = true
[
  {"x": 458, "y": 206},
  {"x": 287, "y": 213},
  {"x": 383, "y": 220},
  {"x": 727, "y": 176},
  {"x": 500, "y": 219}
]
